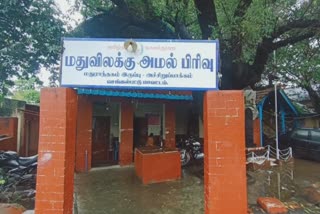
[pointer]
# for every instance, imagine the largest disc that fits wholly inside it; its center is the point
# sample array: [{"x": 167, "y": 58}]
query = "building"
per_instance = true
[
  {"x": 108, "y": 105},
  {"x": 19, "y": 126},
  {"x": 109, "y": 117}
]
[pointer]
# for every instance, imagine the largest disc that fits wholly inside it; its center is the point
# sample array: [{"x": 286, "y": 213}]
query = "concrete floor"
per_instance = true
[{"x": 118, "y": 190}]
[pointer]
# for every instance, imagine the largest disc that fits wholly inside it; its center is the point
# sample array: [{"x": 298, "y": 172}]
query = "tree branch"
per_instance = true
[
  {"x": 291, "y": 40},
  {"x": 296, "y": 24},
  {"x": 268, "y": 45},
  {"x": 242, "y": 8}
]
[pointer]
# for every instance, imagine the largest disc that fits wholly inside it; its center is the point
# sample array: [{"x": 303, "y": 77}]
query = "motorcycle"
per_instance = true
[
  {"x": 190, "y": 149},
  {"x": 11, "y": 163},
  {"x": 15, "y": 170}
]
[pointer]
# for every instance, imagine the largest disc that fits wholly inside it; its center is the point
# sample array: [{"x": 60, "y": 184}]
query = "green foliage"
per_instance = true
[
  {"x": 30, "y": 34},
  {"x": 172, "y": 12},
  {"x": 259, "y": 22},
  {"x": 30, "y": 96},
  {"x": 299, "y": 63},
  {"x": 245, "y": 31},
  {"x": 248, "y": 30},
  {"x": 9, "y": 106},
  {"x": 27, "y": 90}
]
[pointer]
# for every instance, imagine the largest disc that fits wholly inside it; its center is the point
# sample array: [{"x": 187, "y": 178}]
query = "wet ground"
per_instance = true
[
  {"x": 119, "y": 191},
  {"x": 287, "y": 183}
]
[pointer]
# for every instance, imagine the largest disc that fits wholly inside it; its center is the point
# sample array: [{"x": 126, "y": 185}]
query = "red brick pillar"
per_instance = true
[
  {"x": 224, "y": 148},
  {"x": 57, "y": 137},
  {"x": 84, "y": 134},
  {"x": 170, "y": 122},
  {"x": 126, "y": 141},
  {"x": 256, "y": 132}
]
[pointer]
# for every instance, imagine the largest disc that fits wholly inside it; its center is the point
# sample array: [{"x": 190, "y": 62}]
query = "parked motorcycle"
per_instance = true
[
  {"x": 16, "y": 170},
  {"x": 190, "y": 149},
  {"x": 11, "y": 162},
  {"x": 17, "y": 176}
]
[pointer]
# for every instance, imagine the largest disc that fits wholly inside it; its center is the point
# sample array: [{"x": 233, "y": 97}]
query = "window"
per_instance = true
[
  {"x": 315, "y": 136},
  {"x": 301, "y": 134}
]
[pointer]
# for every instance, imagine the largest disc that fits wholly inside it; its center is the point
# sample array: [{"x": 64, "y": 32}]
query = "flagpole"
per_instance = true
[{"x": 276, "y": 118}]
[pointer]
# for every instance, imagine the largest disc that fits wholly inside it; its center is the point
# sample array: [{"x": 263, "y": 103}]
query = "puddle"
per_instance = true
[
  {"x": 120, "y": 191},
  {"x": 286, "y": 183}
]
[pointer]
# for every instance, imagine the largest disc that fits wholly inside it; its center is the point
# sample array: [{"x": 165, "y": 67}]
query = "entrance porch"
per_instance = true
[{"x": 61, "y": 136}]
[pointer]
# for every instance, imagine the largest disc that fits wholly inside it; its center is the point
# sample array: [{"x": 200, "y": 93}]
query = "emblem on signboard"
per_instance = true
[{"x": 130, "y": 45}]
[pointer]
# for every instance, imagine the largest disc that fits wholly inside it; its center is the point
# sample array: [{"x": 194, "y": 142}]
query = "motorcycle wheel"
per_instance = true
[{"x": 185, "y": 158}]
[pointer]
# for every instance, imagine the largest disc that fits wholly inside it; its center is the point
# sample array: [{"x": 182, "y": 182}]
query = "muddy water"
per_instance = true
[
  {"x": 286, "y": 183},
  {"x": 120, "y": 191}
]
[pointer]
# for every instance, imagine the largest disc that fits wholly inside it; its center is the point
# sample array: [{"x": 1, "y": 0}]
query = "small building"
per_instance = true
[
  {"x": 291, "y": 114},
  {"x": 117, "y": 92},
  {"x": 19, "y": 126},
  {"x": 286, "y": 112}
]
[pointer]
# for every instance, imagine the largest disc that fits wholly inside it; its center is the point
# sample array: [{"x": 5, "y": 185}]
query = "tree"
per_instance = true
[
  {"x": 30, "y": 34},
  {"x": 27, "y": 90},
  {"x": 249, "y": 31},
  {"x": 299, "y": 66}
]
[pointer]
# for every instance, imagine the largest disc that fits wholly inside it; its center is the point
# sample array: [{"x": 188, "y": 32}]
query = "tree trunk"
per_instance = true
[
  {"x": 226, "y": 69},
  {"x": 207, "y": 16},
  {"x": 237, "y": 75},
  {"x": 314, "y": 97}
]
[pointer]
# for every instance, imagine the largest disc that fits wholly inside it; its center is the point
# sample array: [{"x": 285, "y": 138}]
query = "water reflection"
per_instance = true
[
  {"x": 286, "y": 183},
  {"x": 280, "y": 183},
  {"x": 276, "y": 182}
]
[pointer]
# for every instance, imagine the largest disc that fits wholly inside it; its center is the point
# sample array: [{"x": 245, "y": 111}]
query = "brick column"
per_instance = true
[
  {"x": 126, "y": 141},
  {"x": 170, "y": 123},
  {"x": 84, "y": 134},
  {"x": 55, "y": 176},
  {"x": 224, "y": 148}
]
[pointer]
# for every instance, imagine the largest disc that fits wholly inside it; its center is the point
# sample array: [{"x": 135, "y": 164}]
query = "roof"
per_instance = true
[
  {"x": 167, "y": 95},
  {"x": 297, "y": 94},
  {"x": 267, "y": 99},
  {"x": 262, "y": 93}
]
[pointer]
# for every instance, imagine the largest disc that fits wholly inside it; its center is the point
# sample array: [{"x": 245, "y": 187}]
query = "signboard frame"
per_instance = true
[{"x": 160, "y": 41}]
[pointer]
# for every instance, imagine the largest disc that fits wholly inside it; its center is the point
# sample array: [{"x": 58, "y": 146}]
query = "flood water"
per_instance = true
[
  {"x": 287, "y": 183},
  {"x": 120, "y": 191}
]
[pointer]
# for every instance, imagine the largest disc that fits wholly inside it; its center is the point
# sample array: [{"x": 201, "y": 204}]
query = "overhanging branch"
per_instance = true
[
  {"x": 242, "y": 8},
  {"x": 268, "y": 45},
  {"x": 291, "y": 40},
  {"x": 296, "y": 24}
]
